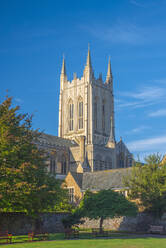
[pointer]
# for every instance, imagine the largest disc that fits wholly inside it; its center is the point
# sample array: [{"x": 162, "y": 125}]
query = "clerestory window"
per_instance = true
[
  {"x": 80, "y": 115},
  {"x": 71, "y": 114},
  {"x": 103, "y": 116},
  {"x": 63, "y": 168},
  {"x": 95, "y": 114},
  {"x": 52, "y": 166}
]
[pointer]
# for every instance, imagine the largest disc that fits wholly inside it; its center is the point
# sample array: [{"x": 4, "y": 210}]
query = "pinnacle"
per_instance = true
[
  {"x": 109, "y": 72},
  {"x": 88, "y": 62},
  {"x": 111, "y": 138},
  {"x": 63, "y": 71}
]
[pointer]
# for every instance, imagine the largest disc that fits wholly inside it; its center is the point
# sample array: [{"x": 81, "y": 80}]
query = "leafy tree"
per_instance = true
[
  {"x": 105, "y": 204},
  {"x": 25, "y": 184},
  {"x": 147, "y": 183}
]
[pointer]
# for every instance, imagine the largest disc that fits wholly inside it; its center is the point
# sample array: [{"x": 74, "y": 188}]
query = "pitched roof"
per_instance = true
[
  {"x": 95, "y": 181},
  {"x": 77, "y": 177},
  {"x": 47, "y": 139}
]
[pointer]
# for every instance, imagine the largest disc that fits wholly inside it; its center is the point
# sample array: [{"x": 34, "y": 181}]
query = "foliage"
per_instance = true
[
  {"x": 148, "y": 184},
  {"x": 101, "y": 205},
  {"x": 25, "y": 184},
  {"x": 73, "y": 219}
]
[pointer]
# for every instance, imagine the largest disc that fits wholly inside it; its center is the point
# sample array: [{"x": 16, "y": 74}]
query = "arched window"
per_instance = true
[
  {"x": 71, "y": 115},
  {"x": 103, "y": 116},
  {"x": 80, "y": 114},
  {"x": 108, "y": 163},
  {"x": 52, "y": 166},
  {"x": 97, "y": 162},
  {"x": 63, "y": 167},
  {"x": 95, "y": 114}
]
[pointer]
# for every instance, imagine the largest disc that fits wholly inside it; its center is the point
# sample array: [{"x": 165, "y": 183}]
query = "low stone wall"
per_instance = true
[
  {"x": 20, "y": 223},
  {"x": 139, "y": 223}
]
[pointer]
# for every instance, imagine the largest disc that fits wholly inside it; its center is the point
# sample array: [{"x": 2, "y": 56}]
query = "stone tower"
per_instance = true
[{"x": 86, "y": 115}]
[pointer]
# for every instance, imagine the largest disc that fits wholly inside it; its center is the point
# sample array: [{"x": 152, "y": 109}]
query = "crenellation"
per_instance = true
[{"x": 86, "y": 109}]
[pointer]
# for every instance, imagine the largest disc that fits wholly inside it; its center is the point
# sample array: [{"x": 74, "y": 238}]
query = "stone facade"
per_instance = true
[
  {"x": 86, "y": 142},
  {"x": 86, "y": 115}
]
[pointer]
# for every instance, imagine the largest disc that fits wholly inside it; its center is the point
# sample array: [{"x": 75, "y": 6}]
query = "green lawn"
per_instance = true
[{"x": 95, "y": 243}]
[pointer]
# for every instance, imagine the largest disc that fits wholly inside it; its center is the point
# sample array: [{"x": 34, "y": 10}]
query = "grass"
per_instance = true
[{"x": 95, "y": 243}]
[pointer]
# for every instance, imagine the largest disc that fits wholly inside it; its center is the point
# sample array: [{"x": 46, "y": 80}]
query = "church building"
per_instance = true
[{"x": 86, "y": 137}]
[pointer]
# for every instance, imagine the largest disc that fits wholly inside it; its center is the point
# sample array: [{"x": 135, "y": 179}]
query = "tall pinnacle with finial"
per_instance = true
[
  {"x": 109, "y": 72},
  {"x": 88, "y": 71},
  {"x": 63, "y": 71},
  {"x": 88, "y": 61},
  {"x": 63, "y": 77},
  {"x": 111, "y": 140}
]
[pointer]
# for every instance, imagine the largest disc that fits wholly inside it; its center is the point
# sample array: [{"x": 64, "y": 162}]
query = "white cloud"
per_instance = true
[
  {"x": 137, "y": 3},
  {"x": 137, "y": 130},
  {"x": 152, "y": 144},
  {"x": 146, "y": 93},
  {"x": 127, "y": 32},
  {"x": 142, "y": 98},
  {"x": 160, "y": 112}
]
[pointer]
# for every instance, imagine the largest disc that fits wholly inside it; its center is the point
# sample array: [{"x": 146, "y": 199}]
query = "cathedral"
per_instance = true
[{"x": 86, "y": 137}]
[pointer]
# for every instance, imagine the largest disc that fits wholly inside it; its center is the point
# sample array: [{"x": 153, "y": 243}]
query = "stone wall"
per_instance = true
[
  {"x": 19, "y": 223},
  {"x": 139, "y": 223}
]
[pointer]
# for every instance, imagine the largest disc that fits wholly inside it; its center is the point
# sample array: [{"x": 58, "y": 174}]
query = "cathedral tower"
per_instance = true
[{"x": 86, "y": 115}]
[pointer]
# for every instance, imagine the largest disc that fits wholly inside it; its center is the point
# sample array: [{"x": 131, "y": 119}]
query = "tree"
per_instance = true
[
  {"x": 105, "y": 204},
  {"x": 148, "y": 184},
  {"x": 25, "y": 184}
]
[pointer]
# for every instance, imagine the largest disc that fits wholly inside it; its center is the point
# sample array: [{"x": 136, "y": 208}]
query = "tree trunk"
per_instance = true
[{"x": 101, "y": 224}]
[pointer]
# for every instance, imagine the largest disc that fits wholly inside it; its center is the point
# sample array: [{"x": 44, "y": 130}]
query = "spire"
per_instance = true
[
  {"x": 63, "y": 71},
  {"x": 111, "y": 140},
  {"x": 88, "y": 61},
  {"x": 109, "y": 72}
]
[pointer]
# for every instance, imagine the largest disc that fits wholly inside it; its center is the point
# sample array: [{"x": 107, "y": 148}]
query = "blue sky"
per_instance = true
[{"x": 35, "y": 34}]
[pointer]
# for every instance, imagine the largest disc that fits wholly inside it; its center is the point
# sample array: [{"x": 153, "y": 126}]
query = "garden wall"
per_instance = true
[
  {"x": 19, "y": 223},
  {"x": 139, "y": 223}
]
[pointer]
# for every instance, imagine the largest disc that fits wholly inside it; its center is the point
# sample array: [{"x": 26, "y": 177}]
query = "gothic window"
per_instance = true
[
  {"x": 71, "y": 194},
  {"x": 52, "y": 166},
  {"x": 97, "y": 163},
  {"x": 101, "y": 165},
  {"x": 95, "y": 114},
  {"x": 71, "y": 115},
  {"x": 63, "y": 167},
  {"x": 103, "y": 115},
  {"x": 108, "y": 163},
  {"x": 80, "y": 114},
  {"x": 105, "y": 165}
]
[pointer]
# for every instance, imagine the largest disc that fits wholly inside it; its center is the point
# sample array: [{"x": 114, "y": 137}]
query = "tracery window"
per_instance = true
[
  {"x": 71, "y": 115},
  {"x": 80, "y": 114},
  {"x": 63, "y": 167},
  {"x": 52, "y": 166},
  {"x": 108, "y": 163},
  {"x": 95, "y": 114},
  {"x": 97, "y": 163},
  {"x": 103, "y": 115}
]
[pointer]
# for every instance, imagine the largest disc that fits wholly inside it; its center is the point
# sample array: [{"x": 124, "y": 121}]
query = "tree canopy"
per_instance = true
[
  {"x": 25, "y": 184},
  {"x": 105, "y": 204},
  {"x": 147, "y": 183}
]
